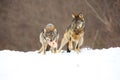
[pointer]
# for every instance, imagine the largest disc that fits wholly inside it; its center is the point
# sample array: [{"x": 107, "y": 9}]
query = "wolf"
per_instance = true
[
  {"x": 49, "y": 38},
  {"x": 74, "y": 34}
]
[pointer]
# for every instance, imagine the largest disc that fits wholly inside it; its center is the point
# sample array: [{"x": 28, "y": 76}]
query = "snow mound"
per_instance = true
[{"x": 89, "y": 64}]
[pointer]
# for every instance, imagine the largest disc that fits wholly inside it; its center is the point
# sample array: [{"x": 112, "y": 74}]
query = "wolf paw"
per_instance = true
[{"x": 77, "y": 50}]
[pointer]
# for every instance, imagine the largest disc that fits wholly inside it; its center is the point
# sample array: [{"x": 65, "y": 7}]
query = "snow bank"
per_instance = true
[{"x": 90, "y": 64}]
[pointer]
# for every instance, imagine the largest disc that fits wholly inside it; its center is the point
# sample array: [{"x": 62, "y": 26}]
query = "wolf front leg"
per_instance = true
[
  {"x": 63, "y": 42},
  {"x": 77, "y": 49},
  {"x": 44, "y": 48},
  {"x": 41, "y": 49},
  {"x": 56, "y": 46},
  {"x": 69, "y": 46},
  {"x": 79, "y": 44},
  {"x": 53, "y": 50}
]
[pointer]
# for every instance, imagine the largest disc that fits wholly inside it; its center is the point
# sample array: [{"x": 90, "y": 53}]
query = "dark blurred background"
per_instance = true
[{"x": 21, "y": 21}]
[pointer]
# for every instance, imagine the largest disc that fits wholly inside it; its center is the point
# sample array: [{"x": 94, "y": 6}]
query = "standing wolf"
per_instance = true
[
  {"x": 49, "y": 38},
  {"x": 74, "y": 33}
]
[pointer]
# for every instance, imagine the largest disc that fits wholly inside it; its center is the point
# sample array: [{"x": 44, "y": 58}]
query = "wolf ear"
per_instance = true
[
  {"x": 81, "y": 16},
  {"x": 55, "y": 31},
  {"x": 73, "y": 15},
  {"x": 44, "y": 30}
]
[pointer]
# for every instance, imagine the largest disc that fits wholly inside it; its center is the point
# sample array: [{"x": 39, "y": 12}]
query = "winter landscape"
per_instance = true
[
  {"x": 21, "y": 22},
  {"x": 97, "y": 64}
]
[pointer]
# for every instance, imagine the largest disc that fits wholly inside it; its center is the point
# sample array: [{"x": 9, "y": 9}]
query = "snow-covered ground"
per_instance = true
[{"x": 90, "y": 64}]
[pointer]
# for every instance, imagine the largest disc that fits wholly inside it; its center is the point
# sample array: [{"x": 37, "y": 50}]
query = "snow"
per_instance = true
[{"x": 89, "y": 64}]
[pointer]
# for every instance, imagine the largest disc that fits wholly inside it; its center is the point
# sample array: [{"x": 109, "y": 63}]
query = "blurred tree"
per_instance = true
[{"x": 22, "y": 20}]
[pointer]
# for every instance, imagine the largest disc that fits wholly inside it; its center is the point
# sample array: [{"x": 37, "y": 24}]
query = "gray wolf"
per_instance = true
[
  {"x": 49, "y": 39},
  {"x": 74, "y": 34}
]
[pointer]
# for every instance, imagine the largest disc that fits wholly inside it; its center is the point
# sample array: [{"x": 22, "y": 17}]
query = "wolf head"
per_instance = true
[
  {"x": 78, "y": 22},
  {"x": 50, "y": 32}
]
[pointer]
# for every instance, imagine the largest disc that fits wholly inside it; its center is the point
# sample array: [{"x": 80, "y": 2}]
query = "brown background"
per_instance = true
[{"x": 21, "y": 21}]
